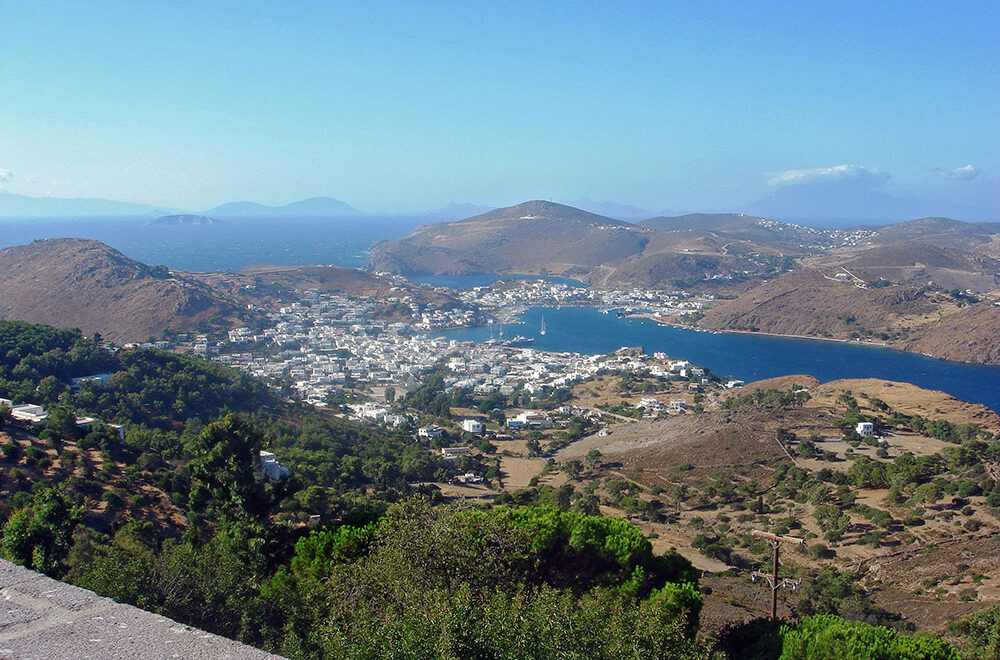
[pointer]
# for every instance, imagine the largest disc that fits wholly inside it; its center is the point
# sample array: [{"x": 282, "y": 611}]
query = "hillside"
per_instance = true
[
  {"x": 897, "y": 542},
  {"x": 942, "y": 231},
  {"x": 272, "y": 285},
  {"x": 533, "y": 237},
  {"x": 920, "y": 262},
  {"x": 805, "y": 302},
  {"x": 972, "y": 334},
  {"x": 738, "y": 226},
  {"x": 71, "y": 282}
]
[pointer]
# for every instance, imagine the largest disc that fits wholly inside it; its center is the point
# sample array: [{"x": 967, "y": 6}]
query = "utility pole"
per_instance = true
[{"x": 775, "y": 541}]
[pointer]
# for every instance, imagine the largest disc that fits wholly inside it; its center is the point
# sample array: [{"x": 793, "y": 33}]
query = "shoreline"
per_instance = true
[{"x": 664, "y": 321}]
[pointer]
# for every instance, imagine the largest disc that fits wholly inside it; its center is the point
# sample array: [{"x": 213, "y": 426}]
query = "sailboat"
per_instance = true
[{"x": 542, "y": 329}]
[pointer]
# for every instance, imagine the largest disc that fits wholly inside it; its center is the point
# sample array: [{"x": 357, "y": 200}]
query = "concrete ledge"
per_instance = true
[{"x": 42, "y": 618}]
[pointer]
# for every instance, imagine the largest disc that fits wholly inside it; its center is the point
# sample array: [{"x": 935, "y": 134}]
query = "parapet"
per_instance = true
[{"x": 44, "y": 618}]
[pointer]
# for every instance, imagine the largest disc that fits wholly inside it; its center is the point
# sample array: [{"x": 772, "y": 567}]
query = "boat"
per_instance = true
[
  {"x": 542, "y": 330},
  {"x": 518, "y": 341}
]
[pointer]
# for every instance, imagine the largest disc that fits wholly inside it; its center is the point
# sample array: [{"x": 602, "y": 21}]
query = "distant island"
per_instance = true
[{"x": 185, "y": 219}]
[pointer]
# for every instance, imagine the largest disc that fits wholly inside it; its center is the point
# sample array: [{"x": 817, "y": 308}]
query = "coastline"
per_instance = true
[{"x": 666, "y": 321}]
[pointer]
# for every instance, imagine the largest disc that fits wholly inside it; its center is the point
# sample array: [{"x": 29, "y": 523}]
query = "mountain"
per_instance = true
[
  {"x": 316, "y": 207},
  {"x": 273, "y": 286},
  {"x": 75, "y": 282},
  {"x": 533, "y": 237},
  {"x": 184, "y": 219},
  {"x": 21, "y": 206}
]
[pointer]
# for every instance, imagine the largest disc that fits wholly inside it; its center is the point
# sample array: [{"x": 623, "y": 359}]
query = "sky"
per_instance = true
[{"x": 394, "y": 106}]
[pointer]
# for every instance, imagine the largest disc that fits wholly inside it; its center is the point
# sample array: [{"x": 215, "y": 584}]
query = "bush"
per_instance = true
[{"x": 827, "y": 636}]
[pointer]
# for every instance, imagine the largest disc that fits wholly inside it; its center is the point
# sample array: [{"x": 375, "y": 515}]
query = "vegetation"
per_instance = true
[
  {"x": 768, "y": 397},
  {"x": 178, "y": 519}
]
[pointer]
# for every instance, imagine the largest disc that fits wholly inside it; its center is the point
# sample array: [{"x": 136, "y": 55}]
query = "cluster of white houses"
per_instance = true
[{"x": 518, "y": 295}]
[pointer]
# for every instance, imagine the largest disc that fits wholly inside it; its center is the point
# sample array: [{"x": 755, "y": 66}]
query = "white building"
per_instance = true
[
  {"x": 271, "y": 467},
  {"x": 472, "y": 426},
  {"x": 431, "y": 431},
  {"x": 533, "y": 419},
  {"x": 29, "y": 413},
  {"x": 865, "y": 429},
  {"x": 96, "y": 379},
  {"x": 451, "y": 453}
]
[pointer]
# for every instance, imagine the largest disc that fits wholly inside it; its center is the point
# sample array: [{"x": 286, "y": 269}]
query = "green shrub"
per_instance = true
[{"x": 825, "y": 636}]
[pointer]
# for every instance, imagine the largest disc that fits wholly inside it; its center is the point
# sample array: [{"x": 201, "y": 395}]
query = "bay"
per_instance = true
[{"x": 746, "y": 357}]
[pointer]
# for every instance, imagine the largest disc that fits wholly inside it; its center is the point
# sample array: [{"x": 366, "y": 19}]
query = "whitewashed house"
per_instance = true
[
  {"x": 865, "y": 429},
  {"x": 472, "y": 426}
]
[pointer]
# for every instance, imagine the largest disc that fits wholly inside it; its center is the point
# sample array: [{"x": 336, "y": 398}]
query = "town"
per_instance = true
[{"x": 324, "y": 342}]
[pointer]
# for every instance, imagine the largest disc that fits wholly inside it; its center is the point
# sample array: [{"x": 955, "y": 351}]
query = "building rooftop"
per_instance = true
[{"x": 44, "y": 618}]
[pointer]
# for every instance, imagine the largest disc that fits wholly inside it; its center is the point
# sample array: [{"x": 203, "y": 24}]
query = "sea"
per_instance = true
[
  {"x": 225, "y": 247},
  {"x": 745, "y": 357}
]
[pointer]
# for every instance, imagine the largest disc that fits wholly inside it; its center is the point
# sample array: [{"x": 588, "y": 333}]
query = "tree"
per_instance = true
[
  {"x": 593, "y": 459},
  {"x": 533, "y": 446},
  {"x": 222, "y": 470},
  {"x": 39, "y": 534},
  {"x": 572, "y": 468},
  {"x": 61, "y": 420}
]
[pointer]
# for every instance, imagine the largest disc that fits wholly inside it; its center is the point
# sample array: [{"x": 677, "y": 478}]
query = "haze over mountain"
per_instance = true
[
  {"x": 845, "y": 204},
  {"x": 185, "y": 219},
  {"x": 614, "y": 209},
  {"x": 315, "y": 207},
  {"x": 22, "y": 206}
]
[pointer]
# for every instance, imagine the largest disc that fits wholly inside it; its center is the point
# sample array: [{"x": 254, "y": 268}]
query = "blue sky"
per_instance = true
[{"x": 408, "y": 105}]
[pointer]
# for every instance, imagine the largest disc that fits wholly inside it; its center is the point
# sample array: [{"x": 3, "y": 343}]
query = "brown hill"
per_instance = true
[
  {"x": 783, "y": 236},
  {"x": 533, "y": 237},
  {"x": 910, "y": 317},
  {"x": 980, "y": 237},
  {"x": 805, "y": 302},
  {"x": 916, "y": 261},
  {"x": 269, "y": 284},
  {"x": 907, "y": 399},
  {"x": 73, "y": 282},
  {"x": 971, "y": 334}
]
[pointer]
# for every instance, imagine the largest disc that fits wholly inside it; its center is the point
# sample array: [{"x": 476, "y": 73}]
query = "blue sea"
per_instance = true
[
  {"x": 228, "y": 247},
  {"x": 746, "y": 356}
]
